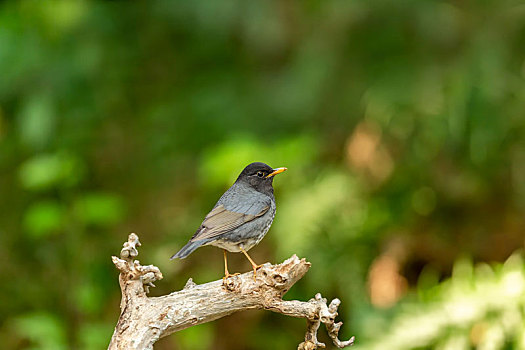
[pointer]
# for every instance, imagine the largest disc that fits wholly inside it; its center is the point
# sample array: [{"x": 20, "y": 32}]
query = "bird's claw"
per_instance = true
[
  {"x": 228, "y": 275},
  {"x": 255, "y": 268}
]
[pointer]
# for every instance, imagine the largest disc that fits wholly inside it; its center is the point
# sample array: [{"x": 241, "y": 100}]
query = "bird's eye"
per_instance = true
[{"x": 260, "y": 173}]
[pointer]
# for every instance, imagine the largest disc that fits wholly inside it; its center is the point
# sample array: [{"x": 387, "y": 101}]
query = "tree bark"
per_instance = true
[{"x": 144, "y": 320}]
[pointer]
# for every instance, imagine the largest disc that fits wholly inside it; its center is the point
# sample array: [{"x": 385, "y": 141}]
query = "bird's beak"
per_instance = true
[{"x": 276, "y": 171}]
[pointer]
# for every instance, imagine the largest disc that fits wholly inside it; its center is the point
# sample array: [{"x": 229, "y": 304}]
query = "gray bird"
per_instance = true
[{"x": 241, "y": 217}]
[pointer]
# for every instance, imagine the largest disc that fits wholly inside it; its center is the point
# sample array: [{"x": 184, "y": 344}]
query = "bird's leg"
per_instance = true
[
  {"x": 254, "y": 265},
  {"x": 226, "y": 273}
]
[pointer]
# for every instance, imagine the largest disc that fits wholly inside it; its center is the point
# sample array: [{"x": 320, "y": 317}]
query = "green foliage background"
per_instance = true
[{"x": 401, "y": 122}]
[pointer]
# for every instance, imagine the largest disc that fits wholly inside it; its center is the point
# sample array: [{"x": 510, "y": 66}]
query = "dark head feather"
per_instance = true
[{"x": 255, "y": 174}]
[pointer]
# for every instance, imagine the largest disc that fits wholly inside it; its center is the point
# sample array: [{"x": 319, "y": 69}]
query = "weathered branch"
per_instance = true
[{"x": 144, "y": 320}]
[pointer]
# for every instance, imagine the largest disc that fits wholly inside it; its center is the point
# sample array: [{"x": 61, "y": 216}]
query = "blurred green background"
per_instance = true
[{"x": 402, "y": 124}]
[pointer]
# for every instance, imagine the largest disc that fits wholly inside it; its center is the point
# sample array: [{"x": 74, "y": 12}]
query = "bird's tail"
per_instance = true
[{"x": 188, "y": 249}]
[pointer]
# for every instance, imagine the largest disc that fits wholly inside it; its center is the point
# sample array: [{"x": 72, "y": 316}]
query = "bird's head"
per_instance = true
[{"x": 259, "y": 176}]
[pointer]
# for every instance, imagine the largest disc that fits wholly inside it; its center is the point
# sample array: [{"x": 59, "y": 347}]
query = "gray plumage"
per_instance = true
[{"x": 242, "y": 216}]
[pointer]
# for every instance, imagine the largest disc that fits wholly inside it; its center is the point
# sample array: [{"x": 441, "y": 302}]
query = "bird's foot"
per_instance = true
[
  {"x": 228, "y": 275},
  {"x": 255, "y": 268}
]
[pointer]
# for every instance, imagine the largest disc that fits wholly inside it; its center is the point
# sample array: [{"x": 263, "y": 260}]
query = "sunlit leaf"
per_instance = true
[
  {"x": 99, "y": 208},
  {"x": 44, "y": 218},
  {"x": 44, "y": 330},
  {"x": 46, "y": 171}
]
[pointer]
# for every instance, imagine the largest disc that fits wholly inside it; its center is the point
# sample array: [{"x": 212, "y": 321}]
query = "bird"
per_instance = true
[{"x": 241, "y": 217}]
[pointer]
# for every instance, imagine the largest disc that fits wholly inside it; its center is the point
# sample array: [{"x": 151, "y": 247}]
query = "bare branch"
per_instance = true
[
  {"x": 323, "y": 314},
  {"x": 144, "y": 320}
]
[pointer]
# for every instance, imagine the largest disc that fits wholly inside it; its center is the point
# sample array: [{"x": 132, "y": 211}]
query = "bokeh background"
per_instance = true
[{"x": 402, "y": 124}]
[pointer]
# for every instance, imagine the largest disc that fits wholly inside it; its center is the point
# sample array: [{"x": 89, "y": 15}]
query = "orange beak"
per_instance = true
[{"x": 276, "y": 171}]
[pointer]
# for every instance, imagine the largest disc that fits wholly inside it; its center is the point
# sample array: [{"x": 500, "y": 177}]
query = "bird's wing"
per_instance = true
[{"x": 220, "y": 221}]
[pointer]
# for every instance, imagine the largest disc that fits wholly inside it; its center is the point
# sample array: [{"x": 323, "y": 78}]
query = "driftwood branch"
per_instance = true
[{"x": 144, "y": 320}]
